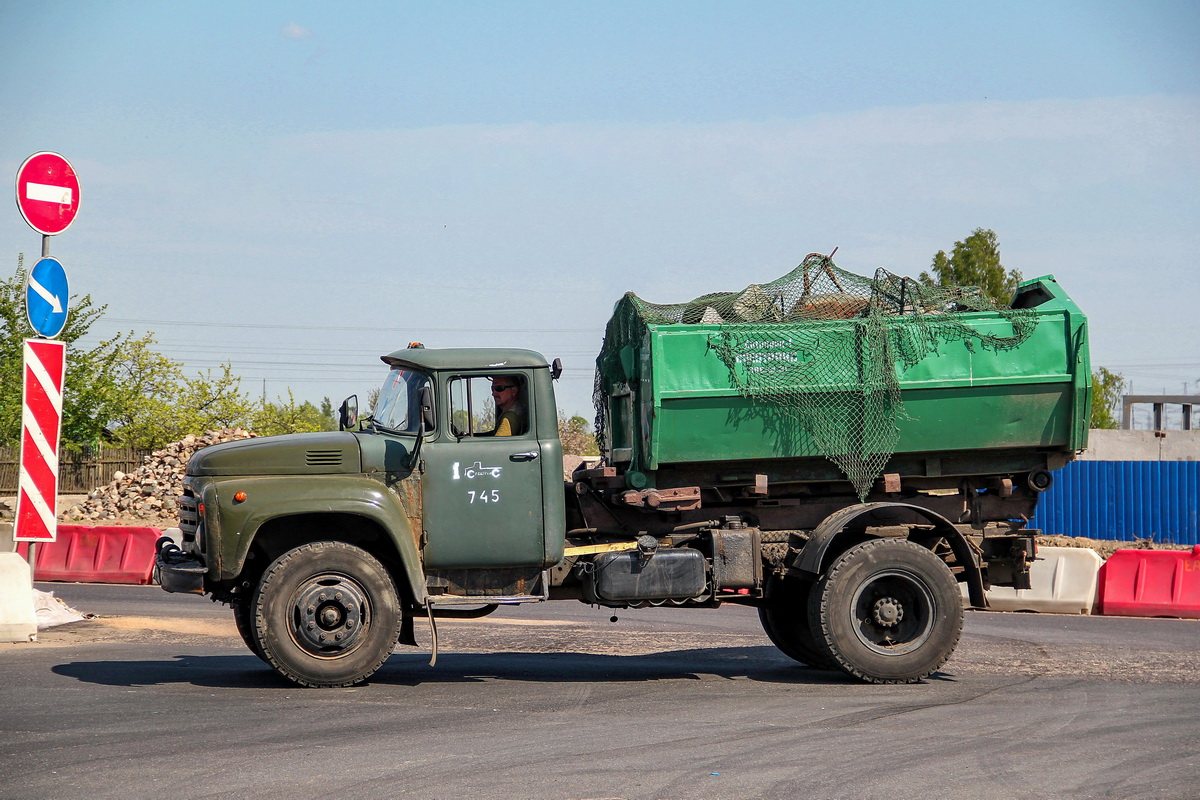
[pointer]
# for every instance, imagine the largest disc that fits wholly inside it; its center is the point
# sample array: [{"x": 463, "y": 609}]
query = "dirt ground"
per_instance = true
[
  {"x": 1106, "y": 547},
  {"x": 979, "y": 651}
]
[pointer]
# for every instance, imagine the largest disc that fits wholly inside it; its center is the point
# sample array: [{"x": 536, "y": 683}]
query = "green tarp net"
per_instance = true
[{"x": 838, "y": 382}]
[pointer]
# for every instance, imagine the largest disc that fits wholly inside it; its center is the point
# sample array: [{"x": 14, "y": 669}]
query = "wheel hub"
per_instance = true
[
  {"x": 893, "y": 612},
  {"x": 888, "y": 612},
  {"x": 330, "y": 617},
  {"x": 328, "y": 614}
]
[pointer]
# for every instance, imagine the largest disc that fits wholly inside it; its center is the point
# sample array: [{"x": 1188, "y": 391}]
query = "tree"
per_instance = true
[
  {"x": 576, "y": 435},
  {"x": 1107, "y": 388},
  {"x": 141, "y": 388},
  {"x": 122, "y": 390},
  {"x": 975, "y": 261},
  {"x": 271, "y": 419},
  {"x": 87, "y": 398},
  {"x": 160, "y": 405},
  {"x": 210, "y": 401}
]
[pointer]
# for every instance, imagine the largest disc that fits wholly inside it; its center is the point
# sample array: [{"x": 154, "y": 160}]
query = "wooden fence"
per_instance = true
[{"x": 79, "y": 471}]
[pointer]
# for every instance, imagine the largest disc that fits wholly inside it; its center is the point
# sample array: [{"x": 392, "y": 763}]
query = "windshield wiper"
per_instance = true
[{"x": 375, "y": 424}]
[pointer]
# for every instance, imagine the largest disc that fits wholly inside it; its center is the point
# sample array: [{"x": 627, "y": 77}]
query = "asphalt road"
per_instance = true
[{"x": 157, "y": 697}]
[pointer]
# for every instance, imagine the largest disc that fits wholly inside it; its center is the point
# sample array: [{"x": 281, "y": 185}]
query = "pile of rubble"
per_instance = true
[{"x": 148, "y": 493}]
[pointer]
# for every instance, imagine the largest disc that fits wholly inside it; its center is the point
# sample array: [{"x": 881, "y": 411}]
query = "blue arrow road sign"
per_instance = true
[{"x": 46, "y": 297}]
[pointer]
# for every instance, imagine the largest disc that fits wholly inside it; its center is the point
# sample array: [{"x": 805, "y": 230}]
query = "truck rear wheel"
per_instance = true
[
  {"x": 326, "y": 615},
  {"x": 887, "y": 611},
  {"x": 784, "y": 617}
]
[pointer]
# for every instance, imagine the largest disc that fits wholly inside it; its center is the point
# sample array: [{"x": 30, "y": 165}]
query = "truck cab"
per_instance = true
[
  {"x": 487, "y": 501},
  {"x": 427, "y": 506}
]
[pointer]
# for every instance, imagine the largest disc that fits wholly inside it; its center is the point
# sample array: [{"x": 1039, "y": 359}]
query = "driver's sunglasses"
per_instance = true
[{"x": 496, "y": 389}]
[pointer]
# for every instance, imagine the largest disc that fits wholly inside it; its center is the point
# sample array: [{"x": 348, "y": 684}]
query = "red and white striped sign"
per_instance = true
[{"x": 41, "y": 422}]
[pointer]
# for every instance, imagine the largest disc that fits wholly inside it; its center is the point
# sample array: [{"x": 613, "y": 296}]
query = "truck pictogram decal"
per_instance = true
[{"x": 476, "y": 470}]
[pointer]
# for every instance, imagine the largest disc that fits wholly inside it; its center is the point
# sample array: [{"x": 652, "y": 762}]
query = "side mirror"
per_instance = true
[
  {"x": 348, "y": 413},
  {"x": 427, "y": 416},
  {"x": 555, "y": 369}
]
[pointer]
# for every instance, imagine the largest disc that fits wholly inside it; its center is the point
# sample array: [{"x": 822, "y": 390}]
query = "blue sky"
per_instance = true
[{"x": 299, "y": 187}]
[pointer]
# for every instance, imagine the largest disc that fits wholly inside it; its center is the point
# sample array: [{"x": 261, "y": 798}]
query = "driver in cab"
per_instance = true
[{"x": 511, "y": 418}]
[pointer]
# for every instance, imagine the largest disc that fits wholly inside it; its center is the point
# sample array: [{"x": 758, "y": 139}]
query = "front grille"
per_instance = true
[
  {"x": 189, "y": 516},
  {"x": 323, "y": 458}
]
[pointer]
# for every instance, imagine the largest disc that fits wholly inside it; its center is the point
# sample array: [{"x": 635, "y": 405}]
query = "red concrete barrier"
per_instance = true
[
  {"x": 1151, "y": 583},
  {"x": 96, "y": 555}
]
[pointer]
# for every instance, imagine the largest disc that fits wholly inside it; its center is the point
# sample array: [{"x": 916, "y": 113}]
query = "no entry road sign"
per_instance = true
[
  {"x": 46, "y": 297},
  {"x": 41, "y": 422},
  {"x": 47, "y": 193}
]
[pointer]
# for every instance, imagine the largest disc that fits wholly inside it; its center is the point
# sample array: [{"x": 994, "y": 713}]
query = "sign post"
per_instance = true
[{"x": 48, "y": 199}]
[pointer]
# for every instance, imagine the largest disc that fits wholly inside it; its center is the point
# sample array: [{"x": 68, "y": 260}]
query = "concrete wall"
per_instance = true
[{"x": 1119, "y": 445}]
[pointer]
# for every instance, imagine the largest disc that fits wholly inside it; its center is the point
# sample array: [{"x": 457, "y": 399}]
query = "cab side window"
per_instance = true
[{"x": 491, "y": 405}]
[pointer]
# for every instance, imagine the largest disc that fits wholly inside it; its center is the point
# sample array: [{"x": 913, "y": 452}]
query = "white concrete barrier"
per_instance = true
[
  {"x": 1064, "y": 581},
  {"x": 18, "y": 621}
]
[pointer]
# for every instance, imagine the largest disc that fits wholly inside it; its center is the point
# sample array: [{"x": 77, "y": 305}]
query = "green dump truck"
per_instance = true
[{"x": 840, "y": 452}]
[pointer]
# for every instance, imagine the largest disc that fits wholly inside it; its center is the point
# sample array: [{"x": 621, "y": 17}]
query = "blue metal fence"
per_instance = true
[{"x": 1124, "y": 500}]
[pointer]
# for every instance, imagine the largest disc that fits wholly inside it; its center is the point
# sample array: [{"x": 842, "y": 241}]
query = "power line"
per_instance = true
[
  {"x": 192, "y": 346},
  {"x": 1145, "y": 366},
  {"x": 317, "y": 366},
  {"x": 344, "y": 328}
]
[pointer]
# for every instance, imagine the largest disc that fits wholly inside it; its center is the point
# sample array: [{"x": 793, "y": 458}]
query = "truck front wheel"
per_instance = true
[
  {"x": 326, "y": 614},
  {"x": 245, "y": 625},
  {"x": 887, "y": 611}
]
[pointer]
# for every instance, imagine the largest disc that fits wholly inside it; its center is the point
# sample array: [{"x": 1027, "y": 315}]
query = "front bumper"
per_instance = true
[{"x": 178, "y": 571}]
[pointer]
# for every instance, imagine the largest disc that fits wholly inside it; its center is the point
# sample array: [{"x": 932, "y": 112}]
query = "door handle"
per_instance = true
[{"x": 530, "y": 456}]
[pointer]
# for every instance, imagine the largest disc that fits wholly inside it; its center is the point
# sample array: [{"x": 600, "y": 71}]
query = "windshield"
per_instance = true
[{"x": 399, "y": 405}]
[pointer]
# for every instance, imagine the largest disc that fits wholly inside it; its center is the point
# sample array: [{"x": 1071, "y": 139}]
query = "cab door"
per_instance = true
[{"x": 482, "y": 494}]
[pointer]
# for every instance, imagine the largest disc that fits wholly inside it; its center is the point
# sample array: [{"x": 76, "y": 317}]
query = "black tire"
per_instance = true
[
  {"x": 326, "y": 615},
  {"x": 887, "y": 611},
  {"x": 245, "y": 625},
  {"x": 784, "y": 618}
]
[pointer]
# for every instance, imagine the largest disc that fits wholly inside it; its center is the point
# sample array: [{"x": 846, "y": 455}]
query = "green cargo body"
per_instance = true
[{"x": 963, "y": 401}]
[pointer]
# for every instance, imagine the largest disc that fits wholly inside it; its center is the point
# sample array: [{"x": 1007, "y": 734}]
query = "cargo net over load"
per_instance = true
[{"x": 839, "y": 383}]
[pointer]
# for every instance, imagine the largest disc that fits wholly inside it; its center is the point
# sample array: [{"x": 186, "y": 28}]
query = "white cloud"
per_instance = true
[
  {"x": 295, "y": 31},
  {"x": 1078, "y": 160},
  {"x": 1138, "y": 124}
]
